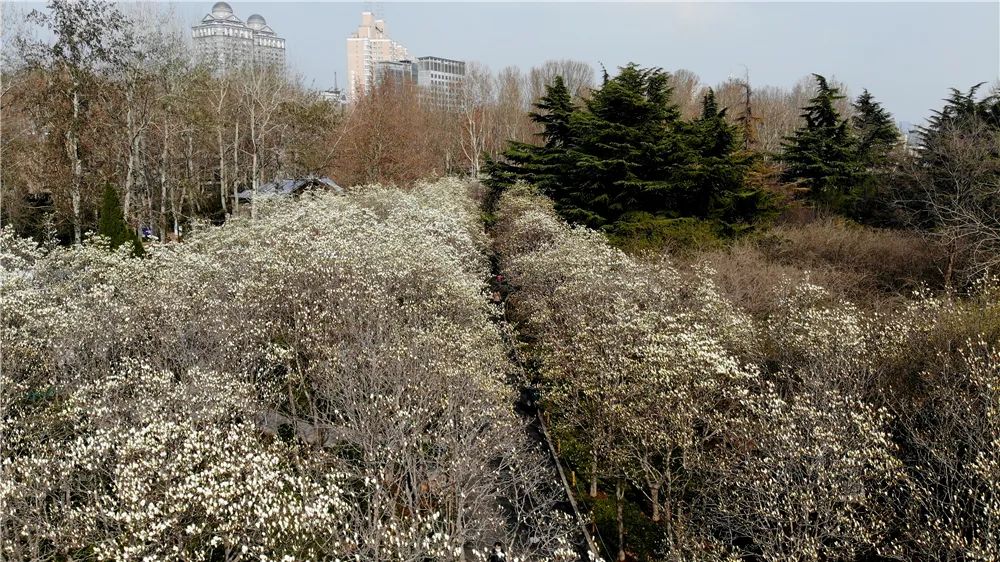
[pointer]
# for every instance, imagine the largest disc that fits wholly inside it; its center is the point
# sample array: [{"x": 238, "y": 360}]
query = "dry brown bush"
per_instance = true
[
  {"x": 872, "y": 267},
  {"x": 883, "y": 260},
  {"x": 748, "y": 278}
]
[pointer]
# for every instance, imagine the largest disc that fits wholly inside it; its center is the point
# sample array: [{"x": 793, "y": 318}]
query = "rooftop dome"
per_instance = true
[
  {"x": 221, "y": 10},
  {"x": 256, "y": 21}
]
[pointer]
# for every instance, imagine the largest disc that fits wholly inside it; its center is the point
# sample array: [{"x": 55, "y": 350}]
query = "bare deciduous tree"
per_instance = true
[
  {"x": 262, "y": 89},
  {"x": 578, "y": 76},
  {"x": 687, "y": 92},
  {"x": 960, "y": 194},
  {"x": 89, "y": 35},
  {"x": 477, "y": 105}
]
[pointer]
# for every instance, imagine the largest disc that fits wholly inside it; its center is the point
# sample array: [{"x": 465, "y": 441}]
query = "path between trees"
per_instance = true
[{"x": 526, "y": 405}]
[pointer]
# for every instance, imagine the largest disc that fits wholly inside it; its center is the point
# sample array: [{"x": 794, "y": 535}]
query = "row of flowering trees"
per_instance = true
[
  {"x": 325, "y": 382},
  {"x": 820, "y": 431}
]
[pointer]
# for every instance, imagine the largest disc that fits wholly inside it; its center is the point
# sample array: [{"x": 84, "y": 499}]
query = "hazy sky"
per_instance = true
[{"x": 907, "y": 54}]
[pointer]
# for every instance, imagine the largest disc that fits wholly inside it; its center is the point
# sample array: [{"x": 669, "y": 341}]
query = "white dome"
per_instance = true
[
  {"x": 221, "y": 10},
  {"x": 256, "y": 21}
]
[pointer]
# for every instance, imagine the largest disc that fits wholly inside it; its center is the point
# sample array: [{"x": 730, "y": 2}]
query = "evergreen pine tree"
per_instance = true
[
  {"x": 556, "y": 108},
  {"x": 876, "y": 134},
  {"x": 962, "y": 114},
  {"x": 714, "y": 136},
  {"x": 944, "y": 172},
  {"x": 876, "y": 137},
  {"x": 717, "y": 174},
  {"x": 713, "y": 169},
  {"x": 820, "y": 155},
  {"x": 542, "y": 166},
  {"x": 112, "y": 223},
  {"x": 626, "y": 163},
  {"x": 627, "y": 150},
  {"x": 961, "y": 111}
]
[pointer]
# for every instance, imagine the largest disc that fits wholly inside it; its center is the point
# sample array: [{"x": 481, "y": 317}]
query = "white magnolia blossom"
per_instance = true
[{"x": 326, "y": 381}]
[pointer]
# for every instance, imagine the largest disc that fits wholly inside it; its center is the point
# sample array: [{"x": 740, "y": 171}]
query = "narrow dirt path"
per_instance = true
[{"x": 526, "y": 405}]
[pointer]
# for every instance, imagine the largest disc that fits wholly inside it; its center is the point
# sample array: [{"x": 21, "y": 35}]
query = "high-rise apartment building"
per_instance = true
[
  {"x": 368, "y": 46},
  {"x": 224, "y": 40},
  {"x": 439, "y": 80},
  {"x": 372, "y": 57}
]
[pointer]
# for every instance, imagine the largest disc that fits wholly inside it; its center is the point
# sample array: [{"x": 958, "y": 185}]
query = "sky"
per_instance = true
[{"x": 908, "y": 54}]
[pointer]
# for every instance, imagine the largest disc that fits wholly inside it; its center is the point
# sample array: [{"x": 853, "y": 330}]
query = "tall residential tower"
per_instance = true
[
  {"x": 367, "y": 47},
  {"x": 224, "y": 40}
]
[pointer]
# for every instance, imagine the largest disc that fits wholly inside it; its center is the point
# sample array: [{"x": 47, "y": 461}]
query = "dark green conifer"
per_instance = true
[
  {"x": 555, "y": 109},
  {"x": 625, "y": 162},
  {"x": 712, "y": 169},
  {"x": 112, "y": 223},
  {"x": 820, "y": 155},
  {"x": 876, "y": 137},
  {"x": 628, "y": 147},
  {"x": 962, "y": 111},
  {"x": 876, "y": 134},
  {"x": 945, "y": 174},
  {"x": 542, "y": 166}
]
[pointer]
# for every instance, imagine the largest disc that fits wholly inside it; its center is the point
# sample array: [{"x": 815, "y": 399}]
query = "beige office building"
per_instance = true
[
  {"x": 440, "y": 81},
  {"x": 368, "y": 46}
]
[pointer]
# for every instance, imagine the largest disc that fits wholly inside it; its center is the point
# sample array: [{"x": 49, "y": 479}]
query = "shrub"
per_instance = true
[
  {"x": 640, "y": 232},
  {"x": 878, "y": 260},
  {"x": 876, "y": 269}
]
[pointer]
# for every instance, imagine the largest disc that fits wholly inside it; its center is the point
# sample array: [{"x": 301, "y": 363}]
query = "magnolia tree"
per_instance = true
[
  {"x": 329, "y": 381},
  {"x": 807, "y": 478},
  {"x": 954, "y": 454},
  {"x": 324, "y": 382},
  {"x": 930, "y": 364},
  {"x": 638, "y": 361},
  {"x": 784, "y": 436}
]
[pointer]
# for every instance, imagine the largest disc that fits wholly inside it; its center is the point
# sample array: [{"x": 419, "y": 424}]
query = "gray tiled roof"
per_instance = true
[{"x": 291, "y": 186}]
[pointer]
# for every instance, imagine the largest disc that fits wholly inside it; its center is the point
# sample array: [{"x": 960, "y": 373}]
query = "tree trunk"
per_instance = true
[
  {"x": 73, "y": 150},
  {"x": 150, "y": 214},
  {"x": 222, "y": 174},
  {"x": 593, "y": 475},
  {"x": 133, "y": 151},
  {"x": 254, "y": 164},
  {"x": 668, "y": 508},
  {"x": 163, "y": 183},
  {"x": 191, "y": 181},
  {"x": 620, "y": 498},
  {"x": 950, "y": 270},
  {"x": 655, "y": 495},
  {"x": 177, "y": 204},
  {"x": 254, "y": 183},
  {"x": 236, "y": 167}
]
